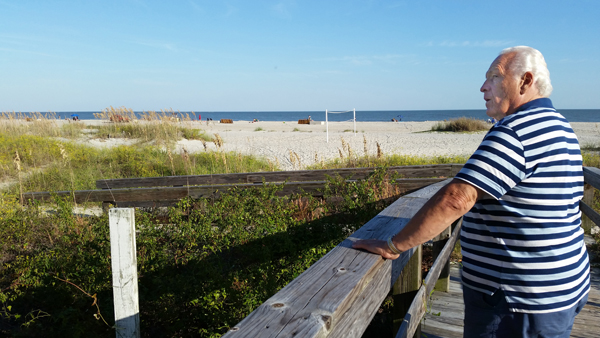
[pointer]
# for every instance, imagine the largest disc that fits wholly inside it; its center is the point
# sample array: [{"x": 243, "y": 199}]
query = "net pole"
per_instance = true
[
  {"x": 354, "y": 121},
  {"x": 327, "y": 125}
]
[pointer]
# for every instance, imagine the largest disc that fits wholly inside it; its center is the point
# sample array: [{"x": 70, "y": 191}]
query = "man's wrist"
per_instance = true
[{"x": 392, "y": 246}]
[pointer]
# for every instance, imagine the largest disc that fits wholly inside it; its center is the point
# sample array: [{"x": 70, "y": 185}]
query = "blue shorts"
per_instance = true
[{"x": 488, "y": 317}]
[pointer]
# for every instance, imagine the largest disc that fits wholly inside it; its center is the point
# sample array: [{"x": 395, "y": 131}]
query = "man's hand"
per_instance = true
[{"x": 375, "y": 246}]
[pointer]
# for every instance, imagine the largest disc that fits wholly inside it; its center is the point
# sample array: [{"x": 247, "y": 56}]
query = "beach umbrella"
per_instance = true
[{"x": 74, "y": 115}]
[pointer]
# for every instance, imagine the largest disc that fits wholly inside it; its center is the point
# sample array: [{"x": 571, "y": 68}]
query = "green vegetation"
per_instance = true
[
  {"x": 258, "y": 129},
  {"x": 69, "y": 166},
  {"x": 591, "y": 158},
  {"x": 203, "y": 266},
  {"x": 462, "y": 124},
  {"x": 349, "y": 158},
  {"x": 40, "y": 157},
  {"x": 591, "y": 147}
]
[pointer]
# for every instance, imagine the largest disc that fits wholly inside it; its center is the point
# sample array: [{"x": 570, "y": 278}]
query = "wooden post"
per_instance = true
[
  {"x": 588, "y": 198},
  {"x": 405, "y": 289},
  {"x": 443, "y": 282},
  {"x": 124, "y": 272}
]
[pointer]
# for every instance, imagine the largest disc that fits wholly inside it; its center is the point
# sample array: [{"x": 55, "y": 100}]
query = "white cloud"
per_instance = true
[
  {"x": 365, "y": 60},
  {"x": 230, "y": 10},
  {"x": 159, "y": 45},
  {"x": 467, "y": 43},
  {"x": 8, "y": 4},
  {"x": 20, "y": 51},
  {"x": 282, "y": 9},
  {"x": 195, "y": 6}
]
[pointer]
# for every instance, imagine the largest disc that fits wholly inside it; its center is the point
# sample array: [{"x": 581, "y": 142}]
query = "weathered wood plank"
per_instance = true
[
  {"x": 419, "y": 305},
  {"x": 588, "y": 198},
  {"x": 124, "y": 272},
  {"x": 158, "y": 194},
  {"x": 406, "y": 287},
  {"x": 591, "y": 175},
  {"x": 323, "y": 299},
  {"x": 451, "y": 308},
  {"x": 446, "y": 170},
  {"x": 443, "y": 280},
  {"x": 590, "y": 213}
]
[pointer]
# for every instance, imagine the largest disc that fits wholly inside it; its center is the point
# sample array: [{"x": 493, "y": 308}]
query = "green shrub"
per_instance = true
[
  {"x": 203, "y": 266},
  {"x": 462, "y": 124},
  {"x": 46, "y": 164}
]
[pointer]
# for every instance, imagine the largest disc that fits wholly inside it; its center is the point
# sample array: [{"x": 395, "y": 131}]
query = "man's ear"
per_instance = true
[{"x": 526, "y": 82}]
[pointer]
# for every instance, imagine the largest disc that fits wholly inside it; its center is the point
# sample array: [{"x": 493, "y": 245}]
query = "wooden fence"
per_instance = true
[
  {"x": 591, "y": 177},
  {"x": 339, "y": 295},
  {"x": 162, "y": 191}
]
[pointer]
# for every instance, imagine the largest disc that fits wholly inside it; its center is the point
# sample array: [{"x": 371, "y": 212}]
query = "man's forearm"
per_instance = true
[{"x": 443, "y": 208}]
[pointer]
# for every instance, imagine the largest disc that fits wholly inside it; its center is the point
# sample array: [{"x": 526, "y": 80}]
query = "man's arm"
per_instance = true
[{"x": 446, "y": 206}]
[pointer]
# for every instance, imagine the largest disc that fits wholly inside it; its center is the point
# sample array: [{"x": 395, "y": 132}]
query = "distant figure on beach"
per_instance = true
[
  {"x": 394, "y": 120},
  {"x": 199, "y": 117},
  {"x": 309, "y": 118},
  {"x": 525, "y": 267}
]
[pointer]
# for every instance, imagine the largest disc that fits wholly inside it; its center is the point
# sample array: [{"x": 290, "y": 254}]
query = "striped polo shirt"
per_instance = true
[{"x": 525, "y": 237}]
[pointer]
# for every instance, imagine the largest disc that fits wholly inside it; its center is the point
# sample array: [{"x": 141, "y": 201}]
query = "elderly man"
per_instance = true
[{"x": 525, "y": 267}]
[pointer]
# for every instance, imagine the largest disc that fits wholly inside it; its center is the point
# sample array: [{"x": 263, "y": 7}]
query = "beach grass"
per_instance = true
[
  {"x": 591, "y": 147},
  {"x": 162, "y": 128},
  {"x": 462, "y": 124},
  {"x": 48, "y": 164}
]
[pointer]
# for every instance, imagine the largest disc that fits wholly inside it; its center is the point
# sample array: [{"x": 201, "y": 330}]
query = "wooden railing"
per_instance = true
[
  {"x": 161, "y": 191},
  {"x": 339, "y": 295},
  {"x": 591, "y": 177}
]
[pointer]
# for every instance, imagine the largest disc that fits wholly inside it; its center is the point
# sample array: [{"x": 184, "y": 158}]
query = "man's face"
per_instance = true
[{"x": 500, "y": 89}]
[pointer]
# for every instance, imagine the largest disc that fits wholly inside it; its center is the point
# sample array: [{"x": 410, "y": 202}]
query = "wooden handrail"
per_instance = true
[
  {"x": 437, "y": 170},
  {"x": 419, "y": 305},
  {"x": 339, "y": 295},
  {"x": 170, "y": 195},
  {"x": 311, "y": 306},
  {"x": 591, "y": 177}
]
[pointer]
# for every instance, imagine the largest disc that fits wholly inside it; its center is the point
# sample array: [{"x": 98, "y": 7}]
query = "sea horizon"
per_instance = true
[{"x": 572, "y": 115}]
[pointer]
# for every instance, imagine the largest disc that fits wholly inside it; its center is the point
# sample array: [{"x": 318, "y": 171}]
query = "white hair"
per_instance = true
[{"x": 529, "y": 59}]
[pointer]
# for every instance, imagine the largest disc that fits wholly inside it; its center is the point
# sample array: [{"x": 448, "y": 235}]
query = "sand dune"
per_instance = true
[{"x": 276, "y": 140}]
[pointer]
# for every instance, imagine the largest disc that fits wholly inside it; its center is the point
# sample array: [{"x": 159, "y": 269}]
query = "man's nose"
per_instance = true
[{"x": 483, "y": 88}]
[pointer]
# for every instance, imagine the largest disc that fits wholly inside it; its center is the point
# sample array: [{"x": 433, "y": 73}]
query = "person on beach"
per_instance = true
[{"x": 525, "y": 268}]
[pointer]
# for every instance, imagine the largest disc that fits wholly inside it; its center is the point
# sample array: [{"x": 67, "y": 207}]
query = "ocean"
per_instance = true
[{"x": 572, "y": 115}]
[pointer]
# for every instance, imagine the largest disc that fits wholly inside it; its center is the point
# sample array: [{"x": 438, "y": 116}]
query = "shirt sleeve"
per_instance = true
[{"x": 498, "y": 164}]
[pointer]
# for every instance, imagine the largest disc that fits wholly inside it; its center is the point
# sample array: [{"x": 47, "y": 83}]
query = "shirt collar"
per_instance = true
[{"x": 543, "y": 102}]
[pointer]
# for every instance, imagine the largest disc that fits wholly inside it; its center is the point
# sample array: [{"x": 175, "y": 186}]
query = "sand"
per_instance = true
[{"x": 276, "y": 141}]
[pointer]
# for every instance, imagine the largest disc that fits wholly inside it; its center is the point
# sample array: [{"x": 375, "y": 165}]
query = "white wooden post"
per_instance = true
[
  {"x": 124, "y": 272},
  {"x": 327, "y": 125},
  {"x": 354, "y": 118}
]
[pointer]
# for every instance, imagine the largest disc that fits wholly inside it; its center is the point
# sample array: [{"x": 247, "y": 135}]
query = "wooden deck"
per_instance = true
[{"x": 449, "y": 323}]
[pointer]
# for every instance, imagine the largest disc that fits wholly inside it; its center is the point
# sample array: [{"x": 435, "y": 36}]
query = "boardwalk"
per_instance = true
[{"x": 449, "y": 306}]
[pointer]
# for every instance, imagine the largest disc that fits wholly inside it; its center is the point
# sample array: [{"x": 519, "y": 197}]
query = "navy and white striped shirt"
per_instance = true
[{"x": 526, "y": 238}]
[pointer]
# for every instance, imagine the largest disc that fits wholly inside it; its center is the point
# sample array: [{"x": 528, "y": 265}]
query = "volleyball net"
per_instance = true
[{"x": 327, "y": 112}]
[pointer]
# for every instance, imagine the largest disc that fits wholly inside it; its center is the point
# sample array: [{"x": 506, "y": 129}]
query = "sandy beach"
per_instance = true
[{"x": 275, "y": 141}]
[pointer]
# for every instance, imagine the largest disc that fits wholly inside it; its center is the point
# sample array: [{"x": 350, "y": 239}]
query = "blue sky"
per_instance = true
[{"x": 242, "y": 55}]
